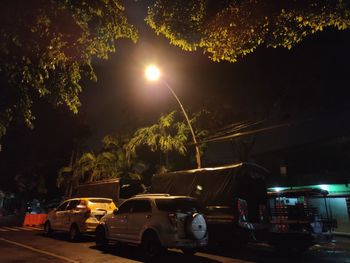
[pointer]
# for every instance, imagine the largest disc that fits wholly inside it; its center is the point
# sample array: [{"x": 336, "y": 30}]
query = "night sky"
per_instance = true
[{"x": 305, "y": 83}]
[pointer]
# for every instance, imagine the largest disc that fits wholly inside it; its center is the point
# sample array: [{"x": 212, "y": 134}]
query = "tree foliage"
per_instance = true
[
  {"x": 34, "y": 185},
  {"x": 166, "y": 136},
  {"x": 108, "y": 164},
  {"x": 47, "y": 47},
  {"x": 230, "y": 29}
]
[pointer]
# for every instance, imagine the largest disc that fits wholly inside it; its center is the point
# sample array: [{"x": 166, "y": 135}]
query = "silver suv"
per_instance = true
[{"x": 156, "y": 222}]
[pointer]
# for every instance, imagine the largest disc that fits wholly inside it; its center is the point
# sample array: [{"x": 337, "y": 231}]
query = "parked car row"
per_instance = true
[
  {"x": 154, "y": 222},
  {"x": 230, "y": 204}
]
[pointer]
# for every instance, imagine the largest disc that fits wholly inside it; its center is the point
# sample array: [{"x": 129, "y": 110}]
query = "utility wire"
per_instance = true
[{"x": 244, "y": 133}]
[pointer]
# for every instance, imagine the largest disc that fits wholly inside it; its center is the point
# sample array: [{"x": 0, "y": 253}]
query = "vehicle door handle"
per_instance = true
[{"x": 148, "y": 216}]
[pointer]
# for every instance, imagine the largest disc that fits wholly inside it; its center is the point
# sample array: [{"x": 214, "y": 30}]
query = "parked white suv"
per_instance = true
[{"x": 156, "y": 222}]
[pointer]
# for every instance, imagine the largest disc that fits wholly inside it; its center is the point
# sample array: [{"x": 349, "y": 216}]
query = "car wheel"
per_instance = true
[
  {"x": 47, "y": 229},
  {"x": 282, "y": 248},
  {"x": 302, "y": 248},
  {"x": 288, "y": 248},
  {"x": 74, "y": 233},
  {"x": 151, "y": 245},
  {"x": 100, "y": 236},
  {"x": 189, "y": 251}
]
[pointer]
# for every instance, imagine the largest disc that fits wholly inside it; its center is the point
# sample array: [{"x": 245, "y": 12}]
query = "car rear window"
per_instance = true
[
  {"x": 104, "y": 201},
  {"x": 178, "y": 205}
]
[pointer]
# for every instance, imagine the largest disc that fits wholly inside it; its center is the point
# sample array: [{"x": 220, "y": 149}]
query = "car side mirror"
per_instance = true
[{"x": 115, "y": 211}]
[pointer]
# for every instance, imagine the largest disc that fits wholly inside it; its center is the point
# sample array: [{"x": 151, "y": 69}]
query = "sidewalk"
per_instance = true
[
  {"x": 11, "y": 220},
  {"x": 339, "y": 243},
  {"x": 342, "y": 242},
  {"x": 341, "y": 234}
]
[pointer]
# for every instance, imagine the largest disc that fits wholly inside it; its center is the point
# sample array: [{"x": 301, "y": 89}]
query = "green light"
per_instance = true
[{"x": 324, "y": 187}]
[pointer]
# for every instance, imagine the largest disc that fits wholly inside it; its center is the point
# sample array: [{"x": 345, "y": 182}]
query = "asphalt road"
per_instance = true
[{"x": 30, "y": 245}]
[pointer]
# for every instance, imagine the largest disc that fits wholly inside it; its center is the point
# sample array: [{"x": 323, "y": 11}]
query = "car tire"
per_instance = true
[
  {"x": 100, "y": 237},
  {"x": 189, "y": 251},
  {"x": 152, "y": 248},
  {"x": 47, "y": 229},
  {"x": 287, "y": 248},
  {"x": 74, "y": 233},
  {"x": 301, "y": 247}
]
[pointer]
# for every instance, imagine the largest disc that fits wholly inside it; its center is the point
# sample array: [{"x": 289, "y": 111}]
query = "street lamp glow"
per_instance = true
[{"x": 152, "y": 73}]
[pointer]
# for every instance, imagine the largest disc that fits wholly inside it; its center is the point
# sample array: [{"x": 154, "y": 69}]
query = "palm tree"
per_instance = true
[
  {"x": 66, "y": 179},
  {"x": 118, "y": 154},
  {"x": 109, "y": 163}
]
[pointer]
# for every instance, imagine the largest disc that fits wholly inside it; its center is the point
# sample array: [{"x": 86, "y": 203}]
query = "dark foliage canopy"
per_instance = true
[
  {"x": 230, "y": 29},
  {"x": 47, "y": 47}
]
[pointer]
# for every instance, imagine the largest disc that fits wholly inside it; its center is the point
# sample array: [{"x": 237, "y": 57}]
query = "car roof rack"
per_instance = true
[{"x": 145, "y": 195}]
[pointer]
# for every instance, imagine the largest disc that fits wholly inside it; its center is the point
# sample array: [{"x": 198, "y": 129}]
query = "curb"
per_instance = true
[{"x": 341, "y": 234}]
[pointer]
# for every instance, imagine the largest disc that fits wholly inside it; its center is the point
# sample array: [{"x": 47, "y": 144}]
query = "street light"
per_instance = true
[{"x": 153, "y": 74}]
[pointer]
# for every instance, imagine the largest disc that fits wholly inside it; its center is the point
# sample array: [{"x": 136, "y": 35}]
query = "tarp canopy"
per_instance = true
[
  {"x": 216, "y": 186},
  {"x": 106, "y": 189},
  {"x": 115, "y": 189}
]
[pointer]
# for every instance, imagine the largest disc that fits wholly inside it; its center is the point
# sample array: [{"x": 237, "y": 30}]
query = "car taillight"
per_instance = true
[
  {"x": 242, "y": 208},
  {"x": 173, "y": 219},
  {"x": 88, "y": 213},
  {"x": 281, "y": 228},
  {"x": 262, "y": 212}
]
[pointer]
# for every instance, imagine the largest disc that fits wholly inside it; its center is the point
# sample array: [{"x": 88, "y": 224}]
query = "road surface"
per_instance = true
[{"x": 28, "y": 244}]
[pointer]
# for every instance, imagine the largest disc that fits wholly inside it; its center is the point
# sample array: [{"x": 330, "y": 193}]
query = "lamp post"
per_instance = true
[{"x": 153, "y": 74}]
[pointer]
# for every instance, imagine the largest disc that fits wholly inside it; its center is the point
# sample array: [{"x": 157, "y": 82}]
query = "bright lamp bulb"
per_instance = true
[{"x": 152, "y": 73}]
